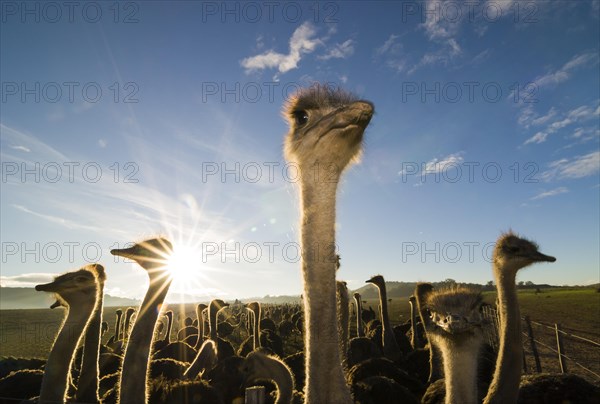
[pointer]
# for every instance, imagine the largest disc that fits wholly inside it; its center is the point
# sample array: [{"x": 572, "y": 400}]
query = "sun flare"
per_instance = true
[{"x": 184, "y": 262}]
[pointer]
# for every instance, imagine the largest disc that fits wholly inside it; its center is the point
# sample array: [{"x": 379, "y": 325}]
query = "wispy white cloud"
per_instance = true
[
  {"x": 339, "y": 51},
  {"x": 553, "y": 192},
  {"x": 21, "y": 148},
  {"x": 586, "y": 133},
  {"x": 67, "y": 223},
  {"x": 19, "y": 140},
  {"x": 438, "y": 165},
  {"x": 578, "y": 167},
  {"x": 577, "y": 115},
  {"x": 25, "y": 280},
  {"x": 447, "y": 51},
  {"x": 391, "y": 45},
  {"x": 437, "y": 25},
  {"x": 539, "y": 137},
  {"x": 390, "y": 53},
  {"x": 565, "y": 72},
  {"x": 302, "y": 42}
]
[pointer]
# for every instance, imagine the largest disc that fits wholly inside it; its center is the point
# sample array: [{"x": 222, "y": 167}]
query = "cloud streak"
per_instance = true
[
  {"x": 302, "y": 42},
  {"x": 553, "y": 192},
  {"x": 578, "y": 167}
]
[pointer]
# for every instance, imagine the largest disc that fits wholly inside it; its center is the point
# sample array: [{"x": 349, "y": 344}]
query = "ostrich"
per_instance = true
[
  {"x": 127, "y": 326},
  {"x": 113, "y": 342},
  {"x": 258, "y": 365},
  {"x": 422, "y": 291},
  {"x": 360, "y": 329},
  {"x": 455, "y": 329},
  {"x": 87, "y": 386},
  {"x": 178, "y": 350},
  {"x": 151, "y": 255},
  {"x": 326, "y": 131},
  {"x": 194, "y": 335},
  {"x": 255, "y": 309},
  {"x": 510, "y": 255},
  {"x": 391, "y": 349},
  {"x": 343, "y": 320},
  {"x": 415, "y": 336},
  {"x": 224, "y": 348},
  {"x": 205, "y": 359},
  {"x": 78, "y": 292}
]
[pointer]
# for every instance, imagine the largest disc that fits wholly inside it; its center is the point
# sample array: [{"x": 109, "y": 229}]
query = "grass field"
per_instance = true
[{"x": 30, "y": 333}]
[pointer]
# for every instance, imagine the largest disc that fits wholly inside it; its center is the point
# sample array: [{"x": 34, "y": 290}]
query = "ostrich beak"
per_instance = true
[
  {"x": 454, "y": 324},
  {"x": 55, "y": 305},
  {"x": 539, "y": 257},
  {"x": 124, "y": 252},
  {"x": 47, "y": 287}
]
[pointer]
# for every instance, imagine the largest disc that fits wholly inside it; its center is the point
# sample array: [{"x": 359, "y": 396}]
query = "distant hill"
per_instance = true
[{"x": 29, "y": 298}]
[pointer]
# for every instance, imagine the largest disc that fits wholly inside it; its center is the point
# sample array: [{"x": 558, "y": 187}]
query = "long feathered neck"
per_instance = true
[
  {"x": 282, "y": 376},
  {"x": 118, "y": 327},
  {"x": 391, "y": 349},
  {"x": 507, "y": 376},
  {"x": 200, "y": 328},
  {"x": 212, "y": 320},
  {"x": 87, "y": 387},
  {"x": 256, "y": 331},
  {"x": 324, "y": 377},
  {"x": 58, "y": 366},
  {"x": 360, "y": 330},
  {"x": 460, "y": 368},
  {"x": 169, "y": 328},
  {"x": 343, "y": 318},
  {"x": 134, "y": 376}
]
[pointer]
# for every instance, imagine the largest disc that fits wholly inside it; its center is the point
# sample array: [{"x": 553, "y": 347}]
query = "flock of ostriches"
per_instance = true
[{"x": 441, "y": 355}]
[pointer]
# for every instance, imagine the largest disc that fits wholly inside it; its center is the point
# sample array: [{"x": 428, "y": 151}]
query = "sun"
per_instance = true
[{"x": 184, "y": 262}]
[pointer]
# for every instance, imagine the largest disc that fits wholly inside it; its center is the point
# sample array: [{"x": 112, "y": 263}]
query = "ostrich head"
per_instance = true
[
  {"x": 455, "y": 312},
  {"x": 150, "y": 254},
  {"x": 326, "y": 129},
  {"x": 513, "y": 252},
  {"x": 72, "y": 288},
  {"x": 377, "y": 280}
]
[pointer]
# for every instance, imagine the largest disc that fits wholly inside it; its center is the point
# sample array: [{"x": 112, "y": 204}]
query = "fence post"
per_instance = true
[
  {"x": 561, "y": 349},
  {"x": 255, "y": 395},
  {"x": 536, "y": 356}
]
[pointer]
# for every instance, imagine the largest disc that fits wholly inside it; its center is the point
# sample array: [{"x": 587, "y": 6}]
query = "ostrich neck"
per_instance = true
[
  {"x": 212, "y": 322},
  {"x": 391, "y": 349},
  {"x": 87, "y": 387},
  {"x": 126, "y": 325},
  {"x": 385, "y": 317},
  {"x": 169, "y": 328},
  {"x": 360, "y": 331},
  {"x": 413, "y": 326},
  {"x": 200, "y": 329},
  {"x": 118, "y": 328},
  {"x": 282, "y": 377},
  {"x": 343, "y": 317},
  {"x": 58, "y": 366},
  {"x": 505, "y": 384},
  {"x": 256, "y": 330},
  {"x": 135, "y": 363},
  {"x": 460, "y": 369},
  {"x": 324, "y": 377}
]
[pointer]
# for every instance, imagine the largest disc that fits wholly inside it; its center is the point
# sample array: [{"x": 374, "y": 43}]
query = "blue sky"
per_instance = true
[{"x": 122, "y": 122}]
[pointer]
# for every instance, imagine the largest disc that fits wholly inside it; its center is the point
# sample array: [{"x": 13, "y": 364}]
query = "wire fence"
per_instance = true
[{"x": 549, "y": 348}]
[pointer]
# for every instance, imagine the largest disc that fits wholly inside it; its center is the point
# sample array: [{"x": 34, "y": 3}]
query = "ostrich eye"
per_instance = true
[
  {"x": 300, "y": 117},
  {"x": 511, "y": 249}
]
